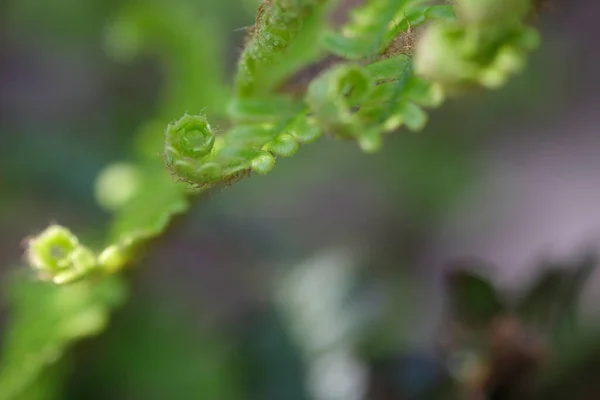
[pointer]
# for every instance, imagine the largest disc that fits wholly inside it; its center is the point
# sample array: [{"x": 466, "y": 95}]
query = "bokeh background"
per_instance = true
[{"x": 288, "y": 286}]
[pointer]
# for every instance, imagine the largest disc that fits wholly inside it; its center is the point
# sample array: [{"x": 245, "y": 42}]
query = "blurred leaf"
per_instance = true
[
  {"x": 45, "y": 319},
  {"x": 551, "y": 303},
  {"x": 473, "y": 299},
  {"x": 49, "y": 384},
  {"x": 536, "y": 304},
  {"x": 149, "y": 211},
  {"x": 155, "y": 350},
  {"x": 177, "y": 31}
]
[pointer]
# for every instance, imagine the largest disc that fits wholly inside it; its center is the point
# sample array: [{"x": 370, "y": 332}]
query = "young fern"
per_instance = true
[
  {"x": 394, "y": 59},
  {"x": 84, "y": 283},
  {"x": 374, "y": 89},
  {"x": 270, "y": 124}
]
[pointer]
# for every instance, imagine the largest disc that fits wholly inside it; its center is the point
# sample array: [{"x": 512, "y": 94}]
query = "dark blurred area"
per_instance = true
[{"x": 339, "y": 275}]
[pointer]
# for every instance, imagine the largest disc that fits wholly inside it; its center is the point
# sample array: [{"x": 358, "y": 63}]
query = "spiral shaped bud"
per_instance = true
[
  {"x": 190, "y": 136},
  {"x": 189, "y": 141},
  {"x": 57, "y": 255}
]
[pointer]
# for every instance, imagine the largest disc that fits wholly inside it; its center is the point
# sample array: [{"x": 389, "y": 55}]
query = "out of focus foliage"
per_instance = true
[
  {"x": 329, "y": 330},
  {"x": 46, "y": 320}
]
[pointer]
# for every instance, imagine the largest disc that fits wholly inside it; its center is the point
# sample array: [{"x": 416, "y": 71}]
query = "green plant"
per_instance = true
[{"x": 390, "y": 61}]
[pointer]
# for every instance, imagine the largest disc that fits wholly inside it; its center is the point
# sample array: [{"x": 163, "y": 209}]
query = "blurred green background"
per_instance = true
[{"x": 296, "y": 284}]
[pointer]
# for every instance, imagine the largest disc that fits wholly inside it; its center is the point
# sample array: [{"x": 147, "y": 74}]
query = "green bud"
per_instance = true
[
  {"x": 57, "y": 255},
  {"x": 50, "y": 250},
  {"x": 210, "y": 171},
  {"x": 190, "y": 136},
  {"x": 185, "y": 169},
  {"x": 306, "y": 131},
  {"x": 284, "y": 145},
  {"x": 263, "y": 163}
]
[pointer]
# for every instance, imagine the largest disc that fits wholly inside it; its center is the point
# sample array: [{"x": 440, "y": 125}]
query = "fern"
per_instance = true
[{"x": 393, "y": 59}]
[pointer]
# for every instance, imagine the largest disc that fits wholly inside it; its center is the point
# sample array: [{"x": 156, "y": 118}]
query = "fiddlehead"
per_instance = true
[
  {"x": 145, "y": 204},
  {"x": 382, "y": 88},
  {"x": 195, "y": 155},
  {"x": 57, "y": 255},
  {"x": 387, "y": 83},
  {"x": 485, "y": 45},
  {"x": 186, "y": 141}
]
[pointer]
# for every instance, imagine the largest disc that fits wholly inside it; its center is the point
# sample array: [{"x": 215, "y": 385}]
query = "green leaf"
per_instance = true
[
  {"x": 390, "y": 68},
  {"x": 148, "y": 213},
  {"x": 332, "y": 95},
  {"x": 262, "y": 110},
  {"x": 157, "y": 349},
  {"x": 409, "y": 114},
  {"x": 178, "y": 32},
  {"x": 423, "y": 93},
  {"x": 45, "y": 319}
]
